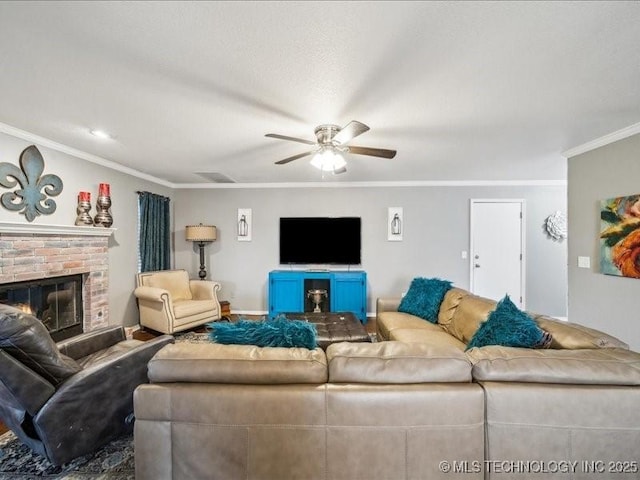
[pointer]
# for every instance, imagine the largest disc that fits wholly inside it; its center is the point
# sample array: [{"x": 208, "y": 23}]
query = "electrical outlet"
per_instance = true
[
  {"x": 464, "y": 255},
  {"x": 584, "y": 262}
]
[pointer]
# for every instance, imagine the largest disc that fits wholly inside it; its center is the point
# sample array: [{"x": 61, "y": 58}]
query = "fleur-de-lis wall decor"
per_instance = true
[{"x": 29, "y": 198}]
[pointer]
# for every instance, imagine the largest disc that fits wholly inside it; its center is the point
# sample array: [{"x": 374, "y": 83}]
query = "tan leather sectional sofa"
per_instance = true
[
  {"x": 415, "y": 405},
  {"x": 569, "y": 411},
  {"x": 359, "y": 411}
]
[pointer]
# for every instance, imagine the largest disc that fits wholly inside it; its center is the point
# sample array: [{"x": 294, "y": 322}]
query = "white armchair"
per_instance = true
[{"x": 170, "y": 302}]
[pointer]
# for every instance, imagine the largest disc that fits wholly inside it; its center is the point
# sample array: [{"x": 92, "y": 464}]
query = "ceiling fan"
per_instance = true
[{"x": 331, "y": 143}]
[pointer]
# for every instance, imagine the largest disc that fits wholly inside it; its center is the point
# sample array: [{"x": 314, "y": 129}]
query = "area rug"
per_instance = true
[
  {"x": 114, "y": 461},
  {"x": 192, "y": 337}
]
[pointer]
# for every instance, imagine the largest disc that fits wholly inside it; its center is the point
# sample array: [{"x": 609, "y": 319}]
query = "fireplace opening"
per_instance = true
[{"x": 55, "y": 301}]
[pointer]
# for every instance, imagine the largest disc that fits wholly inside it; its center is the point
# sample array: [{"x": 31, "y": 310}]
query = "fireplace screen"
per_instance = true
[{"x": 57, "y": 302}]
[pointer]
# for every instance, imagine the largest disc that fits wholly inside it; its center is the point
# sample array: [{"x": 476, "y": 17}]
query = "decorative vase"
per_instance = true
[
  {"x": 84, "y": 205},
  {"x": 103, "y": 217}
]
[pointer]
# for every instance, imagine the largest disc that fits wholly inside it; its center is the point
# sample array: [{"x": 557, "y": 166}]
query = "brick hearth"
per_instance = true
[{"x": 32, "y": 252}]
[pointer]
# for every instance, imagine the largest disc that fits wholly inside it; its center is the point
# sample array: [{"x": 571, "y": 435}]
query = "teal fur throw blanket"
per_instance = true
[{"x": 278, "y": 332}]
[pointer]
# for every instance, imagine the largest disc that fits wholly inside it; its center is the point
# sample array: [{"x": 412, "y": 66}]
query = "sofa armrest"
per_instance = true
[
  {"x": 107, "y": 388},
  {"x": 591, "y": 366},
  {"x": 204, "y": 289},
  {"x": 387, "y": 304},
  {"x": 90, "y": 342},
  {"x": 27, "y": 387},
  {"x": 153, "y": 294},
  {"x": 567, "y": 335}
]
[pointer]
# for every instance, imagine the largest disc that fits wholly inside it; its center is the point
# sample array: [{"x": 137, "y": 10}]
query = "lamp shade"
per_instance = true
[{"x": 200, "y": 233}]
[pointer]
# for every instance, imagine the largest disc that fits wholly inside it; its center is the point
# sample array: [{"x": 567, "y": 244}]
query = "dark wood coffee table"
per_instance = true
[{"x": 333, "y": 327}]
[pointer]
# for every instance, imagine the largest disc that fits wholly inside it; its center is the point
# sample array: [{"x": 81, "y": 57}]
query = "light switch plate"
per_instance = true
[{"x": 584, "y": 262}]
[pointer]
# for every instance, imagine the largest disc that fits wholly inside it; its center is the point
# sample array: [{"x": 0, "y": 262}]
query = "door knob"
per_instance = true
[
  {"x": 477, "y": 257},
  {"x": 477, "y": 265}
]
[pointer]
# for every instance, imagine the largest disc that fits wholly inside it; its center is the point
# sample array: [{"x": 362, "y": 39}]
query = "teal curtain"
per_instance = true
[{"x": 154, "y": 248}]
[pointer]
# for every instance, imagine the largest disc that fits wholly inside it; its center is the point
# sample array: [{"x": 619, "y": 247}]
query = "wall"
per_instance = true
[
  {"x": 605, "y": 302},
  {"x": 436, "y": 222},
  {"x": 79, "y": 174}
]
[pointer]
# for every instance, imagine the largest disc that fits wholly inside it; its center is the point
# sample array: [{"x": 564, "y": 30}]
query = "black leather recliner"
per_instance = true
[{"x": 65, "y": 400}]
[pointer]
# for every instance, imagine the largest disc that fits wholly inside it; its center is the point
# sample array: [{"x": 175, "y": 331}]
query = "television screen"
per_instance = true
[{"x": 320, "y": 240}]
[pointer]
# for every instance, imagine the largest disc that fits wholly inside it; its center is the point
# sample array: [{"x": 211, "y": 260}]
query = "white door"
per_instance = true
[{"x": 497, "y": 249}]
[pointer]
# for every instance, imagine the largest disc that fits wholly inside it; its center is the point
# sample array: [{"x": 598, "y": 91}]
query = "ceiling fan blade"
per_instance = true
[
  {"x": 350, "y": 131},
  {"x": 373, "y": 152},
  {"x": 295, "y": 157},
  {"x": 293, "y": 139}
]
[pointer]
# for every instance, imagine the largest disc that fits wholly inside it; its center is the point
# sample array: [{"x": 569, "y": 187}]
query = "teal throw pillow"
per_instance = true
[
  {"x": 424, "y": 297},
  {"x": 279, "y": 332},
  {"x": 508, "y": 326}
]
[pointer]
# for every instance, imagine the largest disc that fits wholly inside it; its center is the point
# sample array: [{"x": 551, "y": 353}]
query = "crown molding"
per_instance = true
[
  {"x": 602, "y": 141},
  {"x": 30, "y": 137},
  {"x": 103, "y": 162},
  {"x": 387, "y": 184}
]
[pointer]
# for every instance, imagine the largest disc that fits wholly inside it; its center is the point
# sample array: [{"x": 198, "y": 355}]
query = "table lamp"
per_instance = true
[{"x": 201, "y": 234}]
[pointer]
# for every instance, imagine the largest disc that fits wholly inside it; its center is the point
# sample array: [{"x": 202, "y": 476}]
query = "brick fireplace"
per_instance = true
[{"x": 29, "y": 252}]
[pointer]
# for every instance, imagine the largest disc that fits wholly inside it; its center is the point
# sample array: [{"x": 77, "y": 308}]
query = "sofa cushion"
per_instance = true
[
  {"x": 426, "y": 336},
  {"x": 507, "y": 325},
  {"x": 605, "y": 366},
  {"x": 396, "y": 363},
  {"x": 573, "y": 336},
  {"x": 188, "y": 308},
  {"x": 472, "y": 310},
  {"x": 26, "y": 339},
  {"x": 241, "y": 364},
  {"x": 176, "y": 282},
  {"x": 424, "y": 297},
  {"x": 115, "y": 350},
  {"x": 387, "y": 322},
  {"x": 449, "y": 304}
]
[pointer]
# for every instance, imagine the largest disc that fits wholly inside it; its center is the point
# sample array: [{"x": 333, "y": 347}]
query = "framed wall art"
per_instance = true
[{"x": 620, "y": 236}]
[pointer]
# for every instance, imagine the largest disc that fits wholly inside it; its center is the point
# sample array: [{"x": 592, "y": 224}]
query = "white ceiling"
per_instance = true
[{"x": 462, "y": 90}]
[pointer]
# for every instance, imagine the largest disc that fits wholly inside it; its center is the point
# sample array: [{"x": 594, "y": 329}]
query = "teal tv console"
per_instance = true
[{"x": 347, "y": 291}]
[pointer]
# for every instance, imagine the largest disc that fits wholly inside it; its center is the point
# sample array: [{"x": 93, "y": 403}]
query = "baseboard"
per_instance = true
[
  {"x": 249, "y": 312},
  {"x": 264, "y": 312},
  {"x": 130, "y": 330}
]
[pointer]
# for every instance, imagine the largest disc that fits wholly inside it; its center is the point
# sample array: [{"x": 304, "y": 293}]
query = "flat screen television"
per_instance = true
[{"x": 320, "y": 240}]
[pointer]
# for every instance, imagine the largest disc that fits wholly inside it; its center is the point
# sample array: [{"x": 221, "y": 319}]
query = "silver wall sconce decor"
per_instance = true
[
  {"x": 244, "y": 225},
  {"x": 29, "y": 198},
  {"x": 395, "y": 224},
  {"x": 201, "y": 234}
]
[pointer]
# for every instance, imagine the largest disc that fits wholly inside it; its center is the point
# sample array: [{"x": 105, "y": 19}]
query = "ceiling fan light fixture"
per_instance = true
[
  {"x": 328, "y": 159},
  {"x": 332, "y": 143}
]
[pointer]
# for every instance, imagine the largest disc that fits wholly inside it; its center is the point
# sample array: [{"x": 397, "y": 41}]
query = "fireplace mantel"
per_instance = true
[
  {"x": 43, "y": 229},
  {"x": 33, "y": 251}
]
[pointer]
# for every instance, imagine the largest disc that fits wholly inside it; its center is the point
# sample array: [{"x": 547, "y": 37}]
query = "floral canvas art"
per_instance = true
[{"x": 620, "y": 236}]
